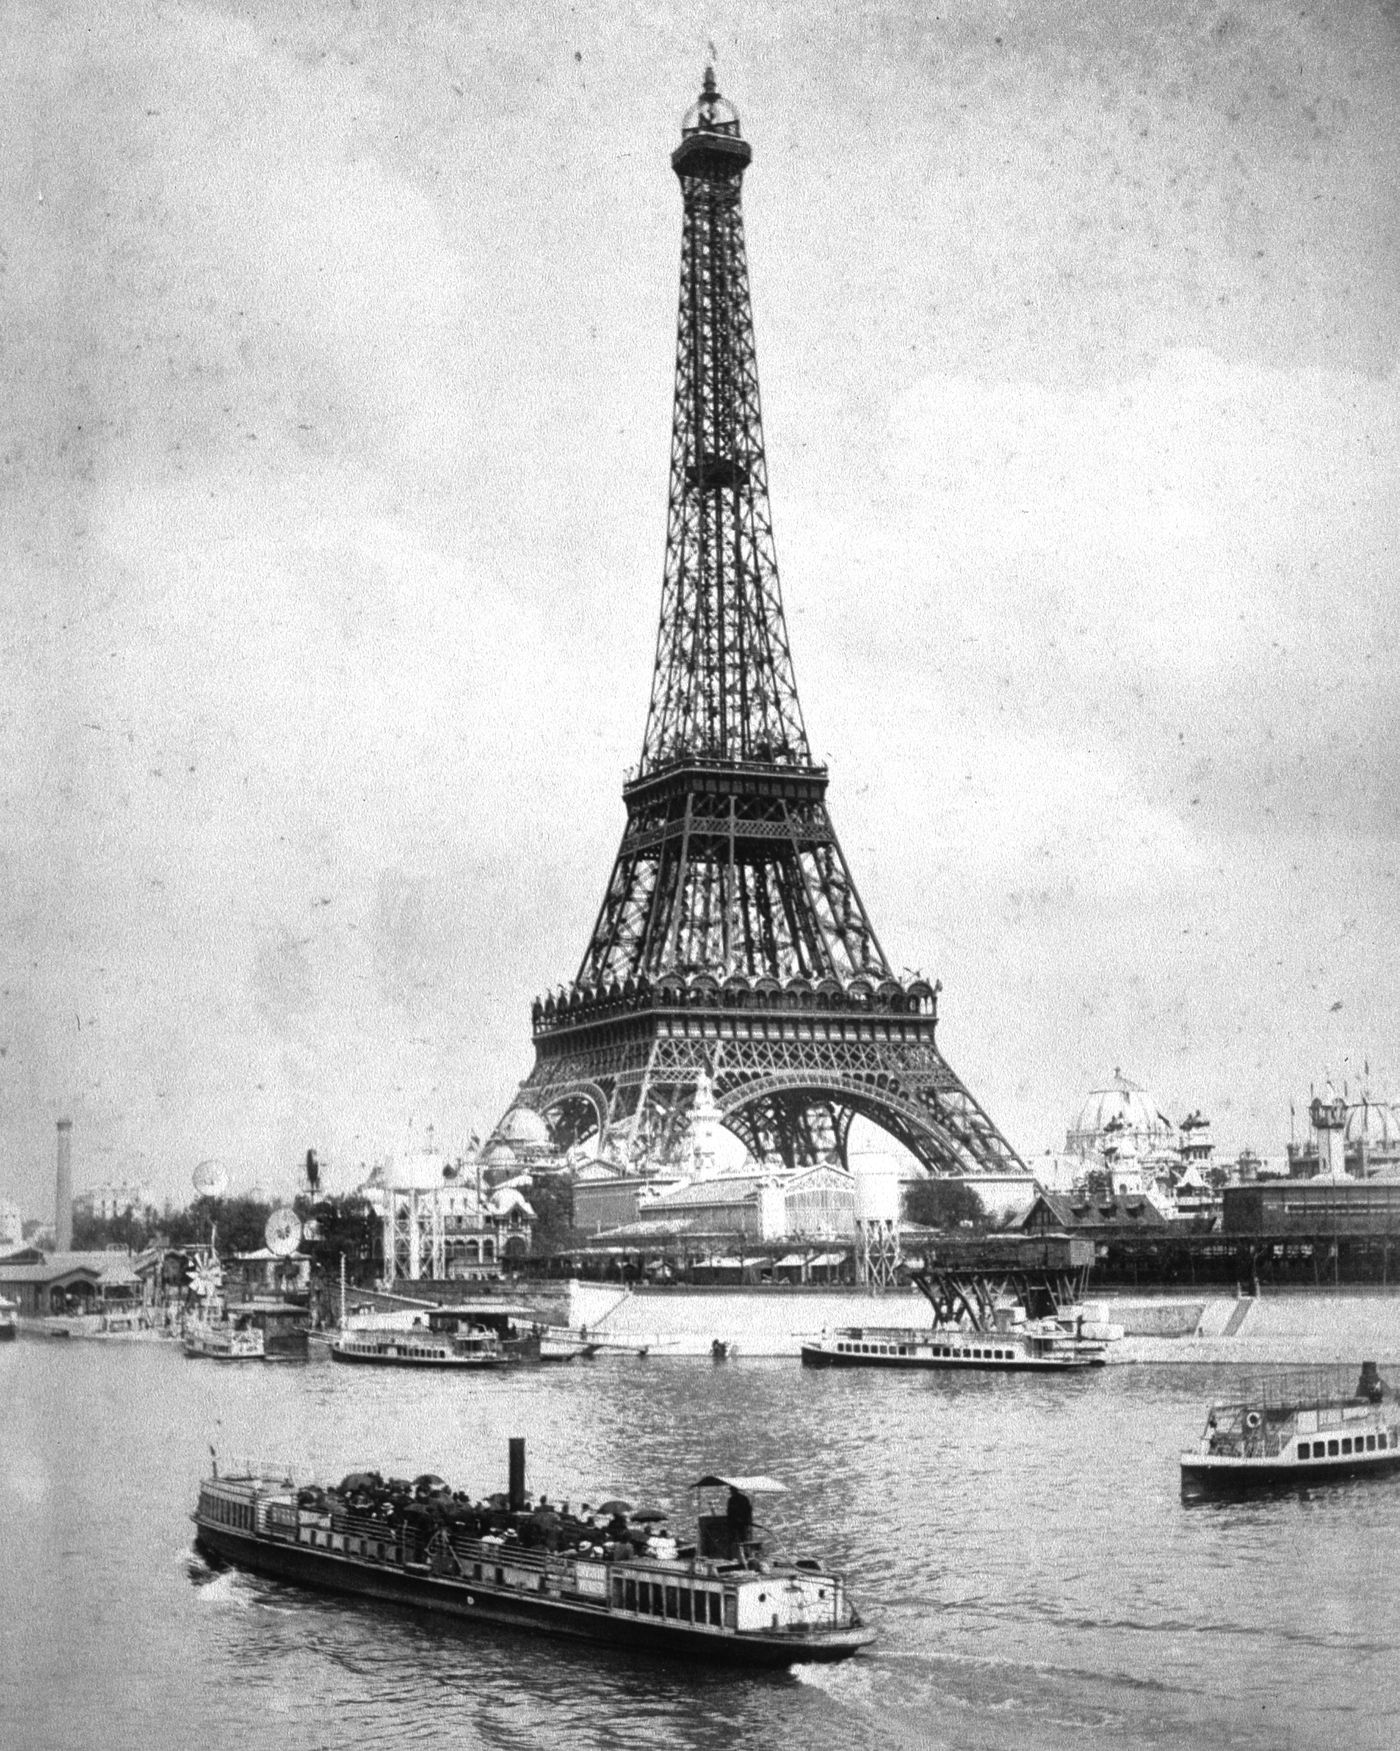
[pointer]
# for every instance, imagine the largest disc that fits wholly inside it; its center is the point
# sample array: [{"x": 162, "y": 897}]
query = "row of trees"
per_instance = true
[{"x": 331, "y": 1227}]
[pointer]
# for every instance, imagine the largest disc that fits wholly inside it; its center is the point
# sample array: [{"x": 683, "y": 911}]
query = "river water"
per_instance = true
[{"x": 1020, "y": 1545}]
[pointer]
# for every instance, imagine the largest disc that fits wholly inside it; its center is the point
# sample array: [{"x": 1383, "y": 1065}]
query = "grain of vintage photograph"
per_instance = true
[{"x": 684, "y": 1063}]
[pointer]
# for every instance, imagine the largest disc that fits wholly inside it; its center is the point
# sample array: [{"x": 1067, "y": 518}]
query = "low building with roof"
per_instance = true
[
  {"x": 46, "y": 1283},
  {"x": 817, "y": 1203},
  {"x": 1099, "y": 1218}
]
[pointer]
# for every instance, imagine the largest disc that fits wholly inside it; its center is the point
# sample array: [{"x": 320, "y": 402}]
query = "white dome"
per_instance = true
[
  {"x": 1375, "y": 1122},
  {"x": 1124, "y": 1111},
  {"x": 524, "y": 1125},
  {"x": 416, "y": 1170}
]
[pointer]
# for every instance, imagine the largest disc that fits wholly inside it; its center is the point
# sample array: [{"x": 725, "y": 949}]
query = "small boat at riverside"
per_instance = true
[
  {"x": 528, "y": 1566},
  {"x": 1299, "y": 1427},
  {"x": 980, "y": 1320},
  {"x": 285, "y": 1327},
  {"x": 1039, "y": 1347},
  {"x": 224, "y": 1340},
  {"x": 418, "y": 1347},
  {"x": 478, "y": 1334},
  {"x": 9, "y": 1320}
]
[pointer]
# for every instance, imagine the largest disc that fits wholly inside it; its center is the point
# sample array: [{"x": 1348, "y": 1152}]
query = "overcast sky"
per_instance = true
[{"x": 336, "y": 402}]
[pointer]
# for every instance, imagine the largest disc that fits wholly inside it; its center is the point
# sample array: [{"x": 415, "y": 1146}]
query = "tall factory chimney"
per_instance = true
[{"x": 63, "y": 1194}]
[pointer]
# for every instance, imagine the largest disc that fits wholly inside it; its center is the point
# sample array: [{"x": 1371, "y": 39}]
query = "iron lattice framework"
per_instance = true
[{"x": 731, "y": 940}]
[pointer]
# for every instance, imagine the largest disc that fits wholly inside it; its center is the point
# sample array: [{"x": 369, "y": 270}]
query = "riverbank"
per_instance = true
[{"x": 1162, "y": 1330}]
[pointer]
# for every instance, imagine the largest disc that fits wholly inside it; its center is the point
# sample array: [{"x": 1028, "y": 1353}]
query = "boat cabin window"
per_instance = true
[
  {"x": 1305, "y": 1450},
  {"x": 1370, "y": 1443},
  {"x": 1332, "y": 1448},
  {"x": 1346, "y": 1444}
]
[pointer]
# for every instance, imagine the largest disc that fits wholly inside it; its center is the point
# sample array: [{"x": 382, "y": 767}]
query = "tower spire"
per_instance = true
[{"x": 723, "y": 685}]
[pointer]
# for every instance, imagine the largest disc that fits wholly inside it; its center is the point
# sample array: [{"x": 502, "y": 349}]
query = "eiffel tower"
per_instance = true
[{"x": 732, "y": 954}]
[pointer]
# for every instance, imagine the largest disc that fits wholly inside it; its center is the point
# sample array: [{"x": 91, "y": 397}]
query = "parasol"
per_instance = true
[
  {"x": 644, "y": 1516},
  {"x": 614, "y": 1507}
]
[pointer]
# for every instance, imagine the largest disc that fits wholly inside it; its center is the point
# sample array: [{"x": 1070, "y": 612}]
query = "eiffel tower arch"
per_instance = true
[{"x": 731, "y": 942}]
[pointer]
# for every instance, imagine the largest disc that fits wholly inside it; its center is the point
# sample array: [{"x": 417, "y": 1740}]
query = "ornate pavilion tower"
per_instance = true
[{"x": 732, "y": 952}]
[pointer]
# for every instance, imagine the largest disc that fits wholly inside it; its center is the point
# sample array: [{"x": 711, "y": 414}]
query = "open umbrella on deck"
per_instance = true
[
  {"x": 614, "y": 1507},
  {"x": 645, "y": 1516},
  {"x": 429, "y": 1483}
]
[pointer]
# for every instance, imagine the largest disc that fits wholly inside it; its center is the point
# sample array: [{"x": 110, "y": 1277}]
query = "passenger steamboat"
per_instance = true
[
  {"x": 474, "y": 1335},
  {"x": 530, "y": 1566},
  {"x": 1295, "y": 1429},
  {"x": 224, "y": 1340},
  {"x": 1039, "y": 1347}
]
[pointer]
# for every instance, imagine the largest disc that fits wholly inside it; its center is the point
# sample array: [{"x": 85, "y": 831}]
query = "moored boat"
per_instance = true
[
  {"x": 505, "y": 1561},
  {"x": 224, "y": 1340},
  {"x": 1299, "y": 1427},
  {"x": 1038, "y": 1347},
  {"x": 9, "y": 1320},
  {"x": 284, "y": 1325},
  {"x": 443, "y": 1343}
]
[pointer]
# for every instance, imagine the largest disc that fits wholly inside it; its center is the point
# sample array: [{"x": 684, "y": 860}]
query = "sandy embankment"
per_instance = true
[{"x": 1307, "y": 1327}]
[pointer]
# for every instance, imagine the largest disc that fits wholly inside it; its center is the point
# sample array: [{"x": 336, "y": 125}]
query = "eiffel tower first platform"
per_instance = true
[{"x": 732, "y": 951}]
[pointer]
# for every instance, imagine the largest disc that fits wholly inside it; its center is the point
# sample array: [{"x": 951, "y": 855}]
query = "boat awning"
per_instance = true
[
  {"x": 750, "y": 1486},
  {"x": 814, "y": 1261}
]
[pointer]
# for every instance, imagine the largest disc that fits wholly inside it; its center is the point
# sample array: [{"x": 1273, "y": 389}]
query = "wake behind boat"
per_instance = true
[
  {"x": 506, "y": 1561},
  {"x": 1299, "y": 1427}
]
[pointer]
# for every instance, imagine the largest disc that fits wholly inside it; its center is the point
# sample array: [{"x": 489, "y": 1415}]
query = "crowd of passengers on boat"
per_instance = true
[{"x": 428, "y": 1505}]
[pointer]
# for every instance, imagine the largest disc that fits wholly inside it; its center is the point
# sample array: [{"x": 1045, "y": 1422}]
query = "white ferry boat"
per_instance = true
[
  {"x": 1295, "y": 1428},
  {"x": 1008, "y": 1343},
  {"x": 445, "y": 1342},
  {"x": 1044, "y": 1348},
  {"x": 504, "y": 1561}
]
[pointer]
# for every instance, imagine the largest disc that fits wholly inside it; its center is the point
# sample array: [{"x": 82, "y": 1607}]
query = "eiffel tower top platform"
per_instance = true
[{"x": 732, "y": 943}]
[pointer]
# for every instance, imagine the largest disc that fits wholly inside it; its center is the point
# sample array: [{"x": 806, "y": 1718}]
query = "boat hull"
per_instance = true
[
  {"x": 479, "y": 1602},
  {"x": 361, "y": 1358},
  {"x": 825, "y": 1356},
  {"x": 1215, "y": 1474}
]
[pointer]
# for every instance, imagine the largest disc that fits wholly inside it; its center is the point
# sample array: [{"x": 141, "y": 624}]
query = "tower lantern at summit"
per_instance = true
[{"x": 732, "y": 956}]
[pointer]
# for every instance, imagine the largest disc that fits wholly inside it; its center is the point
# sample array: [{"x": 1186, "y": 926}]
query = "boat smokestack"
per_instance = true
[
  {"x": 63, "y": 1191},
  {"x": 517, "y": 1473}
]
